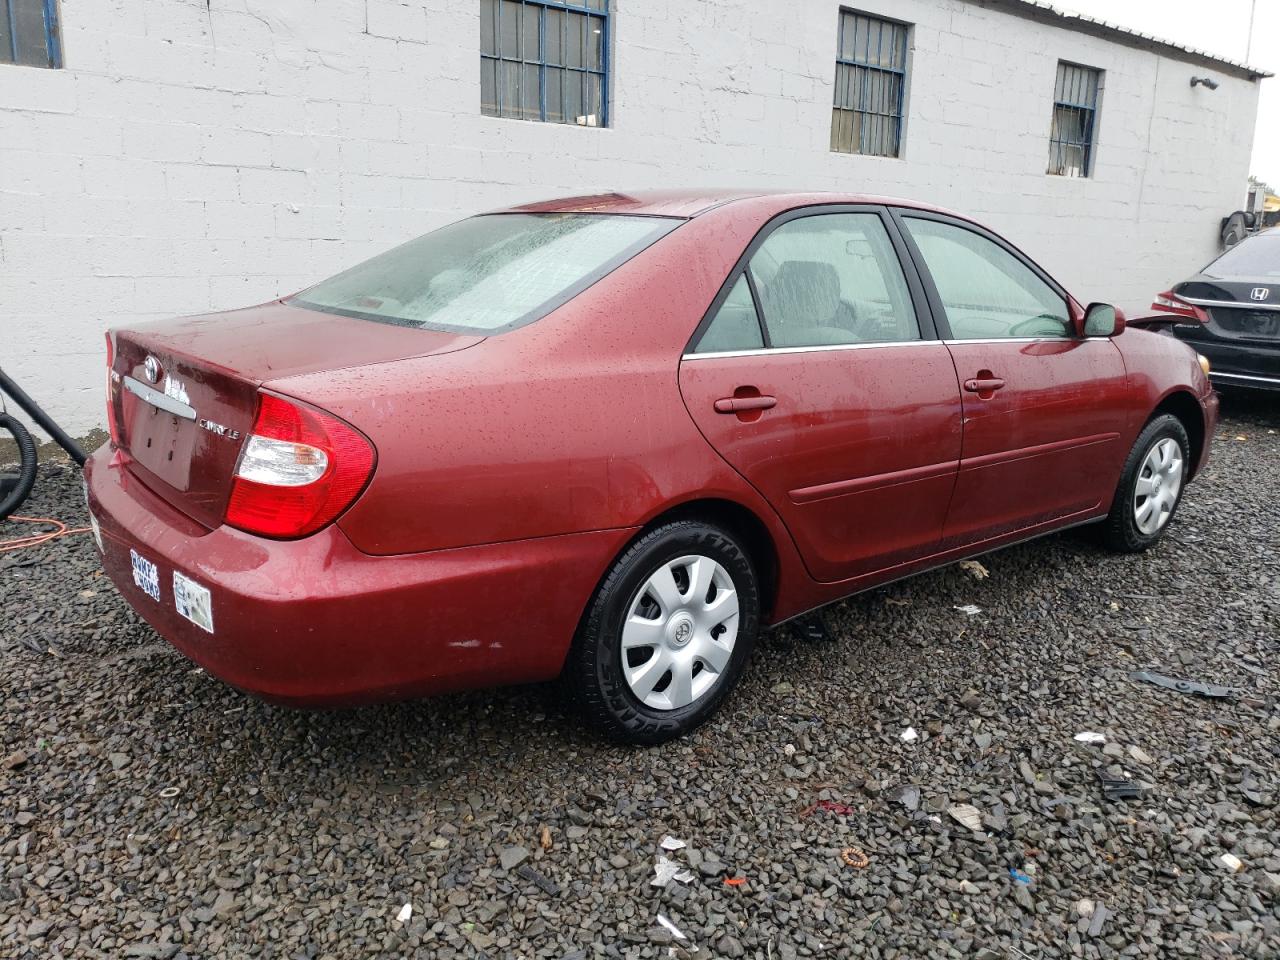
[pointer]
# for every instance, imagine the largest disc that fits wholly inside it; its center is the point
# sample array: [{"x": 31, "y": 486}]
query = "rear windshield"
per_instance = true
[
  {"x": 488, "y": 273},
  {"x": 1256, "y": 256}
]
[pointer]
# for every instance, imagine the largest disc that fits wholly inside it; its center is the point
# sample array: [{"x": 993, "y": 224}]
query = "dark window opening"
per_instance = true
[
  {"x": 1075, "y": 120},
  {"x": 545, "y": 61},
  {"x": 871, "y": 80}
]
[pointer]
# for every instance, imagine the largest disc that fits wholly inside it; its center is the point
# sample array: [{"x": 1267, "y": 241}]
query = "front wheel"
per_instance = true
[
  {"x": 667, "y": 634},
  {"x": 1150, "y": 487}
]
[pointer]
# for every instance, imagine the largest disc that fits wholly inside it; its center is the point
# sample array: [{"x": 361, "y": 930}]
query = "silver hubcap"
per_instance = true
[
  {"x": 1159, "y": 482},
  {"x": 679, "y": 633}
]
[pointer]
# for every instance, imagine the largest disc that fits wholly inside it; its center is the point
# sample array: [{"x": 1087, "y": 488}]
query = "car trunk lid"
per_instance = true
[
  {"x": 184, "y": 392},
  {"x": 1238, "y": 309}
]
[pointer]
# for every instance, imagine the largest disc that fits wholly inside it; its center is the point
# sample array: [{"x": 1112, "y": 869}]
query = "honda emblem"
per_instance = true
[{"x": 1259, "y": 293}]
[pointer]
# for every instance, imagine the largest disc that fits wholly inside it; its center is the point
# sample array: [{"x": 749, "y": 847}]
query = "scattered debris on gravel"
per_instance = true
[{"x": 151, "y": 811}]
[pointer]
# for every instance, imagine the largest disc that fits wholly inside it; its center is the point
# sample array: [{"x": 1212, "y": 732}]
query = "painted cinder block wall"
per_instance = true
[{"x": 194, "y": 155}]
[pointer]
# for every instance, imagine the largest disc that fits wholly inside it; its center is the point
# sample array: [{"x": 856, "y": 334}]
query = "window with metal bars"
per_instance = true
[
  {"x": 871, "y": 80},
  {"x": 1075, "y": 120},
  {"x": 29, "y": 33},
  {"x": 542, "y": 60}
]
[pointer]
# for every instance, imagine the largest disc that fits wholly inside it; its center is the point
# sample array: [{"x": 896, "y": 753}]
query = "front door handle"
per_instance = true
[
  {"x": 743, "y": 404},
  {"x": 981, "y": 385}
]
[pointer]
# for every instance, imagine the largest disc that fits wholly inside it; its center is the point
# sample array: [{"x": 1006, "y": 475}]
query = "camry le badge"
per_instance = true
[
  {"x": 151, "y": 367},
  {"x": 1260, "y": 293},
  {"x": 218, "y": 429}
]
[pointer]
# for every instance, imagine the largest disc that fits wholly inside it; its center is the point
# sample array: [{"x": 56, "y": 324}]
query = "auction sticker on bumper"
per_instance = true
[
  {"x": 145, "y": 575},
  {"x": 193, "y": 601}
]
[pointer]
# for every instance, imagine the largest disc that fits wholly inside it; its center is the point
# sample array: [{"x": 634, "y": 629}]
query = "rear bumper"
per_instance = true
[
  {"x": 1222, "y": 378},
  {"x": 315, "y": 622},
  {"x": 1239, "y": 363}
]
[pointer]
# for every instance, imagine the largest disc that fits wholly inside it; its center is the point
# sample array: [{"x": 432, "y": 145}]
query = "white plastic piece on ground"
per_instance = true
[
  {"x": 969, "y": 608},
  {"x": 675, "y": 931},
  {"x": 672, "y": 843},
  {"x": 405, "y": 913},
  {"x": 909, "y": 735},
  {"x": 1089, "y": 736},
  {"x": 967, "y": 815},
  {"x": 664, "y": 871},
  {"x": 686, "y": 876},
  {"x": 1140, "y": 756},
  {"x": 1231, "y": 862}
]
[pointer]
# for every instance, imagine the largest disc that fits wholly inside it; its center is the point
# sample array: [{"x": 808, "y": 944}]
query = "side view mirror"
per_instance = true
[{"x": 1103, "y": 320}]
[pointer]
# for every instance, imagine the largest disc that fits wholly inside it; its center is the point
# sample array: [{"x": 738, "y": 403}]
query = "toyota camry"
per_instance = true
[{"x": 610, "y": 438}]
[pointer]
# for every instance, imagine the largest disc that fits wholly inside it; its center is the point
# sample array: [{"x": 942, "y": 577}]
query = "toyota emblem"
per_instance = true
[
  {"x": 1259, "y": 293},
  {"x": 151, "y": 367}
]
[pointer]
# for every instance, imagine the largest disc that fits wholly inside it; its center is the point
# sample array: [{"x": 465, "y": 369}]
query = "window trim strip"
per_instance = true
[
  {"x": 816, "y": 348},
  {"x": 1231, "y": 304}
]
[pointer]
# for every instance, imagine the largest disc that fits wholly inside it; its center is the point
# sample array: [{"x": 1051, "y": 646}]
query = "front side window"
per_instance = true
[
  {"x": 545, "y": 61},
  {"x": 1075, "y": 120},
  {"x": 488, "y": 273},
  {"x": 871, "y": 80},
  {"x": 986, "y": 291},
  {"x": 832, "y": 279},
  {"x": 29, "y": 33}
]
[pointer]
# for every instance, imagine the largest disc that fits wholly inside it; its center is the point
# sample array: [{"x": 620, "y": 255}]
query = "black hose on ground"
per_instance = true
[
  {"x": 14, "y": 490},
  {"x": 42, "y": 419}
]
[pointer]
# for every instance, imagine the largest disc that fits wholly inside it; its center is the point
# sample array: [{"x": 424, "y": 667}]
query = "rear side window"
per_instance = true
[
  {"x": 832, "y": 279},
  {"x": 987, "y": 292},
  {"x": 487, "y": 274},
  {"x": 735, "y": 326}
]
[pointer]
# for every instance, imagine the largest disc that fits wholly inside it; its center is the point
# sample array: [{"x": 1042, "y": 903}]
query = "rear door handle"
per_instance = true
[
  {"x": 740, "y": 404},
  {"x": 984, "y": 385}
]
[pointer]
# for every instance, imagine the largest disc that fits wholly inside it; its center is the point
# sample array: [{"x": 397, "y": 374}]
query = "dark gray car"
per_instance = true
[{"x": 1232, "y": 308}]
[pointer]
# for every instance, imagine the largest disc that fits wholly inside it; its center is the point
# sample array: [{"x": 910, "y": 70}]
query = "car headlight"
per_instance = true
[{"x": 1204, "y": 363}]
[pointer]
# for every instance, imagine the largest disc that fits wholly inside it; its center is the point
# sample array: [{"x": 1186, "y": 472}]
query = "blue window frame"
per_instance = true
[
  {"x": 545, "y": 60},
  {"x": 29, "y": 33},
  {"x": 871, "y": 81},
  {"x": 1075, "y": 120}
]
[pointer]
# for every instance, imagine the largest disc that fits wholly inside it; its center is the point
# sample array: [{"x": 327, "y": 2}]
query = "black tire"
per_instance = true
[
  {"x": 26, "y": 477},
  {"x": 594, "y": 670},
  {"x": 1120, "y": 530}
]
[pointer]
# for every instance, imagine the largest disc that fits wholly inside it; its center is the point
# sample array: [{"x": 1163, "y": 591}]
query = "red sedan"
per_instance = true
[{"x": 609, "y": 438}]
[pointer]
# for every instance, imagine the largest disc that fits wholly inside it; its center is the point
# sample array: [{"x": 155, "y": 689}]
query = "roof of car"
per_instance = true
[{"x": 691, "y": 203}]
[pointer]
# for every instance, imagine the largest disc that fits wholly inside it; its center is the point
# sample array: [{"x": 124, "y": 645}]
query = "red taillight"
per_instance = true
[
  {"x": 1170, "y": 302},
  {"x": 113, "y": 427},
  {"x": 298, "y": 470}
]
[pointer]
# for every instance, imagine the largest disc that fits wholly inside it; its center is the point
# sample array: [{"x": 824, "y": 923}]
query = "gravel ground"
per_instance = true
[{"x": 159, "y": 813}]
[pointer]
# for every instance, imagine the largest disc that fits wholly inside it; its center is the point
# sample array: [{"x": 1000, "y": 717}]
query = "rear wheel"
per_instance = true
[
  {"x": 667, "y": 635},
  {"x": 1151, "y": 486}
]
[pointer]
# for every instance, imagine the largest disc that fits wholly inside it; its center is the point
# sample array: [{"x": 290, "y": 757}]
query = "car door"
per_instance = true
[
  {"x": 818, "y": 376},
  {"x": 1043, "y": 410}
]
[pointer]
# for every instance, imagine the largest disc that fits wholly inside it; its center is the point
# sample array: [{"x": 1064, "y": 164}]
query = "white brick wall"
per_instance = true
[{"x": 195, "y": 156}]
